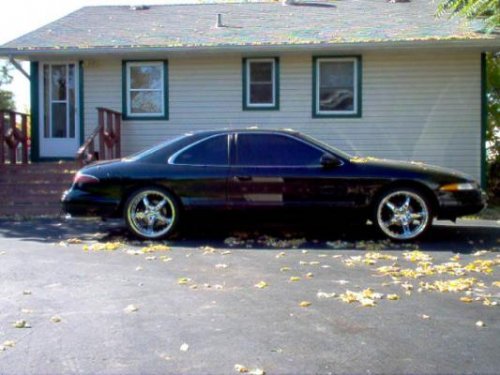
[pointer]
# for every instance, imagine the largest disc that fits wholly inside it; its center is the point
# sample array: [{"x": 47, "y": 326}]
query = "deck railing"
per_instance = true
[
  {"x": 13, "y": 137},
  {"x": 108, "y": 134}
]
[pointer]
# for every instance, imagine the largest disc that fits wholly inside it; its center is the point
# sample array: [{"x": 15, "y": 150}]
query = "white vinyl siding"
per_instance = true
[{"x": 422, "y": 106}]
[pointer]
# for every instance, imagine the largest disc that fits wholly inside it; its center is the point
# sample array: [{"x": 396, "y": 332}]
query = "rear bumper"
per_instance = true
[
  {"x": 461, "y": 203},
  {"x": 80, "y": 203}
]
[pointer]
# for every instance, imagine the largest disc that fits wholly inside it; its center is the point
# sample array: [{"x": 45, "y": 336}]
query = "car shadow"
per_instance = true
[{"x": 243, "y": 232}]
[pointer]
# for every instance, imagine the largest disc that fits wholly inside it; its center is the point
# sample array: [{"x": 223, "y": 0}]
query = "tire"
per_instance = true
[
  {"x": 152, "y": 213},
  {"x": 403, "y": 214}
]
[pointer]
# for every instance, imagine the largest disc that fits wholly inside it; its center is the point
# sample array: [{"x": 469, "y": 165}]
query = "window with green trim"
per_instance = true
[
  {"x": 260, "y": 83},
  {"x": 145, "y": 90},
  {"x": 337, "y": 87}
]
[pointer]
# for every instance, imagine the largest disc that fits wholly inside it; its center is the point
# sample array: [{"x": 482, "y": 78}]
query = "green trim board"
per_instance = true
[
  {"x": 125, "y": 115},
  {"x": 35, "y": 111},
  {"x": 81, "y": 102},
  {"x": 484, "y": 120},
  {"x": 359, "y": 86},
  {"x": 276, "y": 85}
]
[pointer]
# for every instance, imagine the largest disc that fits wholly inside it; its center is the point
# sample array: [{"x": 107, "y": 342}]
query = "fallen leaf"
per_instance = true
[
  {"x": 305, "y": 304},
  {"x": 281, "y": 255},
  {"x": 221, "y": 265},
  {"x": 261, "y": 285},
  {"x": 151, "y": 257},
  {"x": 423, "y": 316},
  {"x": 130, "y": 309},
  {"x": 392, "y": 297},
  {"x": 21, "y": 324},
  {"x": 227, "y": 252},
  {"x": 183, "y": 280},
  {"x": 256, "y": 371},
  {"x": 294, "y": 278},
  {"x": 285, "y": 269},
  {"x": 207, "y": 250},
  {"x": 27, "y": 292},
  {"x": 9, "y": 343},
  {"x": 184, "y": 347},
  {"x": 480, "y": 323},
  {"x": 240, "y": 368},
  {"x": 466, "y": 299},
  {"x": 321, "y": 294},
  {"x": 154, "y": 248},
  {"x": 26, "y": 311},
  {"x": 309, "y": 275},
  {"x": 56, "y": 319},
  {"x": 138, "y": 268}
]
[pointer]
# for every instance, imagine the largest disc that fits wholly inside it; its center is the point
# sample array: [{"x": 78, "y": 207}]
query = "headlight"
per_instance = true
[{"x": 459, "y": 187}]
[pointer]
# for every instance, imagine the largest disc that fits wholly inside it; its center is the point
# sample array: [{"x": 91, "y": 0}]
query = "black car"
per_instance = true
[{"x": 258, "y": 170}]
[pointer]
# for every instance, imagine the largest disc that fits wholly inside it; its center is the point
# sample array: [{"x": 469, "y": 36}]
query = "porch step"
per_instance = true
[{"x": 34, "y": 189}]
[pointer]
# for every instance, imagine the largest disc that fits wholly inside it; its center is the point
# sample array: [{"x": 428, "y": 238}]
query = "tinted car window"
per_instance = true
[
  {"x": 274, "y": 149},
  {"x": 212, "y": 151}
]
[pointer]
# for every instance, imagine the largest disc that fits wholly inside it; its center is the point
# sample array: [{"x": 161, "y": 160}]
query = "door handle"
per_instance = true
[{"x": 242, "y": 178}]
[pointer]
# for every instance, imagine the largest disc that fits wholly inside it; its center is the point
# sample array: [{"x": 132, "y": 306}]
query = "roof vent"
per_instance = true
[
  {"x": 139, "y": 7},
  {"x": 218, "y": 22}
]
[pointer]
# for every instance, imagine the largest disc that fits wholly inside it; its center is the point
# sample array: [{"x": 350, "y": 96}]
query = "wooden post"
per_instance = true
[
  {"x": 118, "y": 132},
  {"x": 24, "y": 135},
  {"x": 13, "y": 150},
  {"x": 2, "y": 137},
  {"x": 102, "y": 154}
]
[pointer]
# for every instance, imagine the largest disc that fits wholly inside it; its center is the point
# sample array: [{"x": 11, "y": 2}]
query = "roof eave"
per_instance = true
[{"x": 485, "y": 44}]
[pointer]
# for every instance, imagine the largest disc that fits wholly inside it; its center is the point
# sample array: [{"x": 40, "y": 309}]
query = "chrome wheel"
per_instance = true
[
  {"x": 151, "y": 213},
  {"x": 403, "y": 214}
]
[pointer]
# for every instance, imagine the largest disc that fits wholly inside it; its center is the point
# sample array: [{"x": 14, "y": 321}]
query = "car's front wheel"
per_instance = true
[
  {"x": 151, "y": 213},
  {"x": 403, "y": 214}
]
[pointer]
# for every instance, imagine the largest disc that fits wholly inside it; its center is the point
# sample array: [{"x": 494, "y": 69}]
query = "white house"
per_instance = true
[{"x": 372, "y": 77}]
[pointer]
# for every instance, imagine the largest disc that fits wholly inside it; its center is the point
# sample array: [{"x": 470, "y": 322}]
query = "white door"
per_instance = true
[{"x": 59, "y": 135}]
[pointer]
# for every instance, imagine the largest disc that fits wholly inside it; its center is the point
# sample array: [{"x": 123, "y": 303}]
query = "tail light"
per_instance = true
[{"x": 82, "y": 178}]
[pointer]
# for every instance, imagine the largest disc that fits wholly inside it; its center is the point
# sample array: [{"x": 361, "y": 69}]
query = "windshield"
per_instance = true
[
  {"x": 145, "y": 153},
  {"x": 326, "y": 146}
]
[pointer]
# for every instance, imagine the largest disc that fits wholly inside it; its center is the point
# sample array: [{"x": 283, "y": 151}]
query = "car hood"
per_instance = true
[{"x": 412, "y": 166}]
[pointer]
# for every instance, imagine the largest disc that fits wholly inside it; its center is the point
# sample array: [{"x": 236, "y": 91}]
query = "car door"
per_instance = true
[
  {"x": 201, "y": 172},
  {"x": 281, "y": 170}
]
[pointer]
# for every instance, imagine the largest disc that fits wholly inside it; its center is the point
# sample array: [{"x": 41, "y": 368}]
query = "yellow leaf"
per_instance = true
[
  {"x": 466, "y": 299},
  {"x": 261, "y": 285},
  {"x": 392, "y": 297},
  {"x": 367, "y": 302},
  {"x": 183, "y": 280},
  {"x": 496, "y": 283},
  {"x": 240, "y": 368},
  {"x": 305, "y": 304},
  {"x": 284, "y": 269},
  {"x": 56, "y": 319},
  {"x": 295, "y": 278},
  {"x": 309, "y": 275}
]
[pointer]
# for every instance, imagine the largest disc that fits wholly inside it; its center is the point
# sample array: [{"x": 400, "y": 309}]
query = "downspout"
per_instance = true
[{"x": 484, "y": 121}]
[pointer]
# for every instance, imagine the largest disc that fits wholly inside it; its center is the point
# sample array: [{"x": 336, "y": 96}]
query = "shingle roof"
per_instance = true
[{"x": 248, "y": 23}]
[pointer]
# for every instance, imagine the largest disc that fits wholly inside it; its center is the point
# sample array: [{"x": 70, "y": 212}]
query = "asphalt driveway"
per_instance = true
[{"x": 294, "y": 300}]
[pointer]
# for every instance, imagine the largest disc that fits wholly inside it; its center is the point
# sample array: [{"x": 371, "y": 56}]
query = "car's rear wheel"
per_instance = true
[
  {"x": 403, "y": 214},
  {"x": 151, "y": 213}
]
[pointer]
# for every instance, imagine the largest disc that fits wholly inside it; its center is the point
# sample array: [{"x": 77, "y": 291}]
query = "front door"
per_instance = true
[{"x": 58, "y": 126}]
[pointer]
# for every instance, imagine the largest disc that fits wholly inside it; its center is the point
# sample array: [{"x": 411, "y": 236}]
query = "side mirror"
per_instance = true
[{"x": 330, "y": 161}]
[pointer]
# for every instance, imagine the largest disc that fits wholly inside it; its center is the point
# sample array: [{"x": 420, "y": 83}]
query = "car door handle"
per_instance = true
[{"x": 242, "y": 178}]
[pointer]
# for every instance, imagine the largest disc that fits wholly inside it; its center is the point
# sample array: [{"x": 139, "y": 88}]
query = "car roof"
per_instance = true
[{"x": 242, "y": 130}]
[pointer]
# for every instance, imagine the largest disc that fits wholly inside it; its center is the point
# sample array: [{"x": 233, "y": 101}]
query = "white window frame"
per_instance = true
[
  {"x": 248, "y": 83},
  {"x": 129, "y": 90},
  {"x": 354, "y": 60}
]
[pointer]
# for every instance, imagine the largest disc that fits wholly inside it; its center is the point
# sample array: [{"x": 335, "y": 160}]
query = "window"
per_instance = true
[
  {"x": 261, "y": 84},
  {"x": 275, "y": 150},
  {"x": 211, "y": 151},
  {"x": 337, "y": 87},
  {"x": 145, "y": 94}
]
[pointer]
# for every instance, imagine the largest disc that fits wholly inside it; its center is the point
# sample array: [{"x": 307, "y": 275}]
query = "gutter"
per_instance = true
[{"x": 491, "y": 44}]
